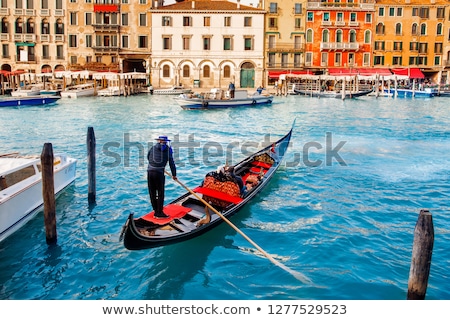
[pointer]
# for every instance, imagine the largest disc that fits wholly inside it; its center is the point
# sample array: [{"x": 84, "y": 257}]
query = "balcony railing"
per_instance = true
[
  {"x": 319, "y": 5},
  {"x": 285, "y": 47},
  {"x": 59, "y": 38},
  {"x": 59, "y": 13},
  {"x": 45, "y": 37},
  {"x": 4, "y": 37},
  {"x": 339, "y": 46},
  {"x": 4, "y": 11},
  {"x": 106, "y": 27}
]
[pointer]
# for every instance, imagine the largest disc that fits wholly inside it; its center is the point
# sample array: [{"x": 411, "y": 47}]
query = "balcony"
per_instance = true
[
  {"x": 59, "y": 13},
  {"x": 59, "y": 38},
  {"x": 106, "y": 27},
  {"x": 18, "y": 12},
  {"x": 29, "y": 37},
  {"x": 18, "y": 37},
  {"x": 319, "y": 5},
  {"x": 4, "y": 37},
  {"x": 4, "y": 11},
  {"x": 30, "y": 12},
  {"x": 350, "y": 46},
  {"x": 45, "y": 38},
  {"x": 285, "y": 47},
  {"x": 106, "y": 49},
  {"x": 45, "y": 12}
]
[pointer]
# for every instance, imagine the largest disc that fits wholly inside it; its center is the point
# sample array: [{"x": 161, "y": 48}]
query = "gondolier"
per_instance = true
[{"x": 158, "y": 156}]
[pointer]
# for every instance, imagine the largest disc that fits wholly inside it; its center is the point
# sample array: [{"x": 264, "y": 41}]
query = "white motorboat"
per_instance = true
[
  {"x": 21, "y": 188},
  {"x": 79, "y": 90},
  {"x": 176, "y": 90},
  {"x": 32, "y": 90},
  {"x": 111, "y": 91}
]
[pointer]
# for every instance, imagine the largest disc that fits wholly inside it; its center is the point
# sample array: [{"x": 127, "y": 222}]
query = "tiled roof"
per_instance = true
[{"x": 202, "y": 5}]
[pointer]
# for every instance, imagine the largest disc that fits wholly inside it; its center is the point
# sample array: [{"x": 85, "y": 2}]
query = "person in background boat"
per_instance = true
[
  {"x": 259, "y": 90},
  {"x": 229, "y": 170},
  {"x": 231, "y": 89},
  {"x": 158, "y": 156}
]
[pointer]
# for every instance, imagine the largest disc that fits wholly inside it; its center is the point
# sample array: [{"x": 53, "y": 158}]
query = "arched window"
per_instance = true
[
  {"x": 59, "y": 27},
  {"x": 367, "y": 36},
  {"x": 4, "y": 25},
  {"x": 398, "y": 29},
  {"x": 30, "y": 26},
  {"x": 226, "y": 72},
  {"x": 414, "y": 29},
  {"x": 206, "y": 71},
  {"x": 439, "y": 29},
  {"x": 186, "y": 71},
  {"x": 19, "y": 26},
  {"x": 326, "y": 36},
  {"x": 309, "y": 36},
  {"x": 352, "y": 36},
  {"x": 423, "y": 29},
  {"x": 45, "y": 27},
  {"x": 166, "y": 71},
  {"x": 380, "y": 29},
  {"x": 339, "y": 36}
]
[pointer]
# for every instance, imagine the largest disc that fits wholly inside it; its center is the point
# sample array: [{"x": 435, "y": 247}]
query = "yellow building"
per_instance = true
[{"x": 413, "y": 33}]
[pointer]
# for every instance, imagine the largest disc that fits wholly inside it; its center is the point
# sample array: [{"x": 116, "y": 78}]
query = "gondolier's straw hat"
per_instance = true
[{"x": 163, "y": 138}]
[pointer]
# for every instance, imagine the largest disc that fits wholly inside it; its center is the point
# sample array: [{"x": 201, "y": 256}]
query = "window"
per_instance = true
[
  {"x": 45, "y": 27},
  {"x": 88, "y": 41},
  {"x": 166, "y": 21},
  {"x": 247, "y": 21},
  {"x": 19, "y": 27},
  {"x": 45, "y": 51},
  {"x": 186, "y": 43},
  {"x": 206, "y": 21},
  {"x": 366, "y": 59},
  {"x": 339, "y": 36},
  {"x": 424, "y": 12},
  {"x": 227, "y": 21},
  {"x": 298, "y": 8},
  {"x": 398, "y": 29},
  {"x": 351, "y": 59},
  {"x": 380, "y": 29},
  {"x": 273, "y": 7},
  {"x": 271, "y": 60},
  {"x": 73, "y": 19},
  {"x": 353, "y": 17},
  {"x": 398, "y": 46},
  {"x": 59, "y": 4},
  {"x": 326, "y": 17},
  {"x": 73, "y": 59},
  {"x": 368, "y": 18},
  {"x": 423, "y": 29},
  {"x": 378, "y": 60},
  {"x": 337, "y": 59},
  {"x": 227, "y": 43},
  {"x": 438, "y": 48},
  {"x": 186, "y": 71},
  {"x": 298, "y": 23},
  {"x": 352, "y": 36},
  {"x": 437, "y": 61},
  {"x": 166, "y": 71},
  {"x": 88, "y": 18},
  {"x": 415, "y": 12},
  {"x": 413, "y": 46},
  {"x": 310, "y": 16},
  {"x": 340, "y": 17},
  {"x": 125, "y": 41},
  {"x": 414, "y": 29},
  {"x": 324, "y": 59},
  {"x": 440, "y": 13},
  {"x": 396, "y": 61},
  {"x": 326, "y": 36},
  {"x": 381, "y": 12},
  {"x": 206, "y": 71},
  {"x": 5, "y": 25},
  {"x": 297, "y": 42},
  {"x": 44, "y": 4},
  {"x": 308, "y": 58},
  {"x": 391, "y": 12},
  {"x": 297, "y": 60},
  {"x": 309, "y": 36},
  {"x": 226, "y": 72},
  {"x": 413, "y": 61},
  {"x": 379, "y": 45},
  {"x": 439, "y": 29},
  {"x": 367, "y": 36},
  {"x": 284, "y": 60},
  {"x": 273, "y": 22},
  {"x": 59, "y": 27},
  {"x": 125, "y": 19},
  {"x": 59, "y": 52},
  {"x": 142, "y": 42},
  {"x": 399, "y": 12},
  {"x": 248, "y": 43},
  {"x": 207, "y": 43},
  {"x": 167, "y": 43},
  {"x": 423, "y": 47},
  {"x": 187, "y": 22},
  {"x": 142, "y": 19}
]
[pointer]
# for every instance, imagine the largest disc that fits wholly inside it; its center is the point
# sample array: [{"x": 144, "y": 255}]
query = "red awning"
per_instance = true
[
  {"x": 342, "y": 71},
  {"x": 374, "y": 71},
  {"x": 276, "y": 74},
  {"x": 412, "y": 73},
  {"x": 106, "y": 8}
]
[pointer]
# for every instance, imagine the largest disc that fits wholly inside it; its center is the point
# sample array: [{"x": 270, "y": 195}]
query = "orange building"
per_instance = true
[{"x": 339, "y": 34}]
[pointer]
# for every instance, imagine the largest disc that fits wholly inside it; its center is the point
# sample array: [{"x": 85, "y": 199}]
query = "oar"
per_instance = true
[{"x": 296, "y": 274}]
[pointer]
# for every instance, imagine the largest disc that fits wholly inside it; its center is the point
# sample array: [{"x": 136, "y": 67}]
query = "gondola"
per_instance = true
[
  {"x": 332, "y": 94},
  {"x": 187, "y": 212}
]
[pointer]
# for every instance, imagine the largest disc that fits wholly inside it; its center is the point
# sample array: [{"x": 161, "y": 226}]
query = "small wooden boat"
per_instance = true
[
  {"x": 217, "y": 99},
  {"x": 332, "y": 94},
  {"x": 186, "y": 213},
  {"x": 28, "y": 101},
  {"x": 21, "y": 187}
]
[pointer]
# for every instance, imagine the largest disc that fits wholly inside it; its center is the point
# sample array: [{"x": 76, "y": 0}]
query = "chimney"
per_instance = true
[
  {"x": 156, "y": 4},
  {"x": 193, "y": 4},
  {"x": 238, "y": 4}
]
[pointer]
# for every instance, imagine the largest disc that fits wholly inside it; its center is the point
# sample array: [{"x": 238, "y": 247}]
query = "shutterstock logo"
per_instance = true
[{"x": 191, "y": 153}]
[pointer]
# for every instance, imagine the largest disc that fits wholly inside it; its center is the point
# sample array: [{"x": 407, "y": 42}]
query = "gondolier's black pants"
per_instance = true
[{"x": 156, "y": 181}]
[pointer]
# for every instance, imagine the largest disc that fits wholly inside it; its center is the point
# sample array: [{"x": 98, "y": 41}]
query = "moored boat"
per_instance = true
[
  {"x": 79, "y": 90},
  {"x": 332, "y": 94},
  {"x": 31, "y": 90},
  {"x": 186, "y": 213},
  {"x": 217, "y": 98},
  {"x": 411, "y": 93},
  {"x": 175, "y": 90},
  {"x": 28, "y": 101},
  {"x": 21, "y": 187}
]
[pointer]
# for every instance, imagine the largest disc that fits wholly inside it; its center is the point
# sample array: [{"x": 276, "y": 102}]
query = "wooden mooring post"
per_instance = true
[
  {"x": 90, "y": 141},
  {"x": 421, "y": 256},
  {"x": 48, "y": 194}
]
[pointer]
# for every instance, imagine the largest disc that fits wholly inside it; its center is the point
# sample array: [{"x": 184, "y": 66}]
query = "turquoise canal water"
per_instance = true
[{"x": 341, "y": 211}]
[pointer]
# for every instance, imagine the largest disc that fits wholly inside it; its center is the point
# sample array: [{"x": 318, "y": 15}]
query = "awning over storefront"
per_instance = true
[
  {"x": 25, "y": 44},
  {"x": 412, "y": 73},
  {"x": 106, "y": 8},
  {"x": 342, "y": 71},
  {"x": 287, "y": 73},
  {"x": 374, "y": 72}
]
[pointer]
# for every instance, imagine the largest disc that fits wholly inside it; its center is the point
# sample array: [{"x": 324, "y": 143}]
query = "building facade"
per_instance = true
[
  {"x": 207, "y": 44},
  {"x": 338, "y": 33}
]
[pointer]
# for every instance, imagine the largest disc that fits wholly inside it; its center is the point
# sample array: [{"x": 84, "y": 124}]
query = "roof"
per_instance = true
[{"x": 207, "y": 5}]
